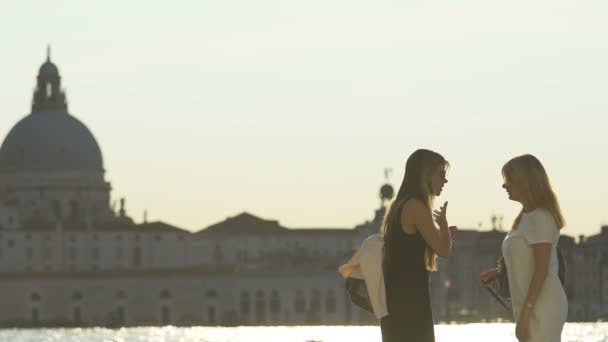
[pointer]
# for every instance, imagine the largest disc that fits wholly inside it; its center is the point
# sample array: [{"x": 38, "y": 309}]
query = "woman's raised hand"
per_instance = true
[{"x": 440, "y": 216}]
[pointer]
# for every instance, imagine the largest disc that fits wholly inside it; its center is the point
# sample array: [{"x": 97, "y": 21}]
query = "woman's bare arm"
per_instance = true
[
  {"x": 542, "y": 255},
  {"x": 416, "y": 213}
]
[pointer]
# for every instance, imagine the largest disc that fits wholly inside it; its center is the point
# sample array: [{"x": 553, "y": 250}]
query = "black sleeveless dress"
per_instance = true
[{"x": 406, "y": 278}]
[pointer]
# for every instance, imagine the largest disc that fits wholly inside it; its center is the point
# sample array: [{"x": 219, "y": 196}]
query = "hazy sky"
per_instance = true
[{"x": 291, "y": 110}]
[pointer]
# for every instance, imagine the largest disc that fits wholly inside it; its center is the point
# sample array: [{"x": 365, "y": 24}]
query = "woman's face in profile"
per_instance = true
[
  {"x": 513, "y": 189},
  {"x": 438, "y": 180}
]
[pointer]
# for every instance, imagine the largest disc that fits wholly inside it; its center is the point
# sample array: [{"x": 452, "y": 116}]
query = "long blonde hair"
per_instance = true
[
  {"x": 416, "y": 183},
  {"x": 528, "y": 172}
]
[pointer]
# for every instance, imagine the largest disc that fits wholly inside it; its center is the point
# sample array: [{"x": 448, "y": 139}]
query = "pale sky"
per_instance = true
[{"x": 291, "y": 110}]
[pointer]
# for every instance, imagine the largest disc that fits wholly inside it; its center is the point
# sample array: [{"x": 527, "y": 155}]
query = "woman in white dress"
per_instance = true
[{"x": 540, "y": 306}]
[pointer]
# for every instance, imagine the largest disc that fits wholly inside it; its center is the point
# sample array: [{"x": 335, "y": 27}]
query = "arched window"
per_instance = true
[
  {"x": 35, "y": 315},
  {"x": 245, "y": 304},
  {"x": 74, "y": 211},
  {"x": 299, "y": 302},
  {"x": 217, "y": 254},
  {"x": 330, "y": 302},
  {"x": 120, "y": 315},
  {"x": 165, "y": 315},
  {"x": 57, "y": 209},
  {"x": 275, "y": 302},
  {"x": 137, "y": 256},
  {"x": 211, "y": 315},
  {"x": 76, "y": 315},
  {"x": 260, "y": 307},
  {"x": 315, "y": 301}
]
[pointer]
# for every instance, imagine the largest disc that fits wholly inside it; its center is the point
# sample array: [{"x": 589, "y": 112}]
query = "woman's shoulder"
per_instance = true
[
  {"x": 539, "y": 225},
  {"x": 414, "y": 204},
  {"x": 541, "y": 216}
]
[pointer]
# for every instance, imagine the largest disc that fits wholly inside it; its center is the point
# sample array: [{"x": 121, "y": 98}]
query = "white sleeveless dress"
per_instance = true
[{"x": 551, "y": 309}]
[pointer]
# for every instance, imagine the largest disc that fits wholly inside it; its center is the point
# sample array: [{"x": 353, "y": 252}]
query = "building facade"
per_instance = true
[{"x": 67, "y": 258}]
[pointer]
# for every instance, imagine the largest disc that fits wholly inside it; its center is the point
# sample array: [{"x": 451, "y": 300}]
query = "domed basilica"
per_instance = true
[
  {"x": 51, "y": 167},
  {"x": 67, "y": 258}
]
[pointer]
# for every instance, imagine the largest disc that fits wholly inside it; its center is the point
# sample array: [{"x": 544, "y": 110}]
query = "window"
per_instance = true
[
  {"x": 165, "y": 315},
  {"x": 76, "y": 315},
  {"x": 260, "y": 307},
  {"x": 330, "y": 302},
  {"x": 72, "y": 253},
  {"x": 275, "y": 302},
  {"x": 35, "y": 297},
  {"x": 245, "y": 305},
  {"x": 137, "y": 256},
  {"x": 77, "y": 296},
  {"x": 120, "y": 295},
  {"x": 315, "y": 302},
  {"x": 10, "y": 243},
  {"x": 120, "y": 315},
  {"x": 211, "y": 294},
  {"x": 74, "y": 211},
  {"x": 95, "y": 253},
  {"x": 211, "y": 315},
  {"x": 29, "y": 253},
  {"x": 165, "y": 294},
  {"x": 35, "y": 315},
  {"x": 57, "y": 209},
  {"x": 299, "y": 302}
]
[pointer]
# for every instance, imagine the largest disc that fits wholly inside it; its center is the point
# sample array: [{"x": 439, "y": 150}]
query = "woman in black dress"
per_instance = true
[{"x": 411, "y": 243}]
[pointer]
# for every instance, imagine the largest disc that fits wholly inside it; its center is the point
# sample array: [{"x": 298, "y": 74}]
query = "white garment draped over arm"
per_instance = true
[{"x": 370, "y": 260}]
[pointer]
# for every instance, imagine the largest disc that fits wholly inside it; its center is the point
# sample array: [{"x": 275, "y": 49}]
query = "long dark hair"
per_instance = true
[{"x": 416, "y": 184}]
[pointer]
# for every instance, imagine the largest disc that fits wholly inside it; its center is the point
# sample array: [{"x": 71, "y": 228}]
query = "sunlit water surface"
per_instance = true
[{"x": 573, "y": 332}]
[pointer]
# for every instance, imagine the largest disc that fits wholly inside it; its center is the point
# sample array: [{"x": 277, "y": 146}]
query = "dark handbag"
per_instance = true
[
  {"x": 357, "y": 291},
  {"x": 502, "y": 279}
]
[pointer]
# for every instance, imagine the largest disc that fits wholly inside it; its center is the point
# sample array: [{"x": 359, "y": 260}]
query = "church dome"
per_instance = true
[{"x": 50, "y": 139}]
